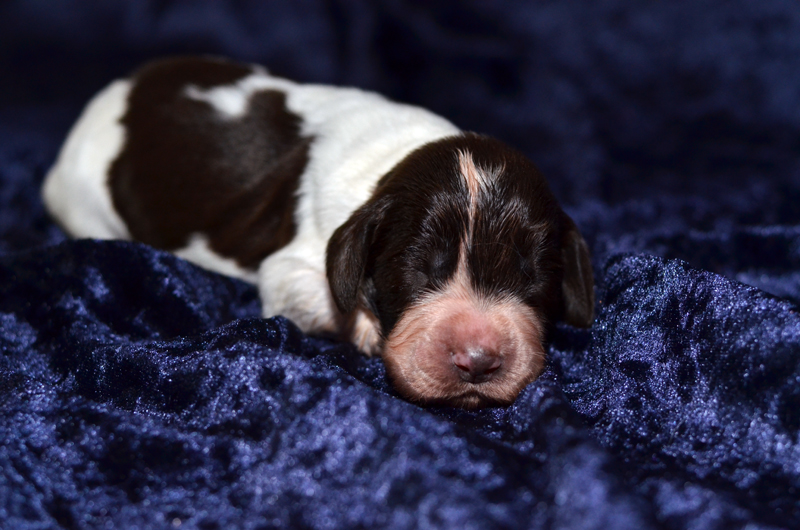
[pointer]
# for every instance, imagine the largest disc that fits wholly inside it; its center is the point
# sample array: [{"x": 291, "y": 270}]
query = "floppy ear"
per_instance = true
[
  {"x": 347, "y": 255},
  {"x": 577, "y": 286}
]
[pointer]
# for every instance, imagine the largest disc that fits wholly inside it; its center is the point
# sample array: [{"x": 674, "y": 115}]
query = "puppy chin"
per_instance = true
[{"x": 455, "y": 349}]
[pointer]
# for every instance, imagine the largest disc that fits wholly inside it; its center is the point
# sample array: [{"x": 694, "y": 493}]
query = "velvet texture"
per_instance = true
[{"x": 138, "y": 391}]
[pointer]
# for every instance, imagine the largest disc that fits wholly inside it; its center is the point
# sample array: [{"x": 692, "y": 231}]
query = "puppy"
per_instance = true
[{"x": 443, "y": 251}]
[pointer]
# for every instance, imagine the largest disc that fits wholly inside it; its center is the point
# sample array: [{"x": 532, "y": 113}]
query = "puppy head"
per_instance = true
[{"x": 464, "y": 257}]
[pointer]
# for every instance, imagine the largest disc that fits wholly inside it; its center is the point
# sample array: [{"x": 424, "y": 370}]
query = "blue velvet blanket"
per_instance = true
[{"x": 139, "y": 391}]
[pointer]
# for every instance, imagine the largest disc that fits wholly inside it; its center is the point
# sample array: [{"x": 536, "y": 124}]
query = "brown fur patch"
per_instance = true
[{"x": 184, "y": 170}]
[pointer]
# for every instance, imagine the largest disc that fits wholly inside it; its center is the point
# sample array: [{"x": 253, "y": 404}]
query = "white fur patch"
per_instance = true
[
  {"x": 475, "y": 178},
  {"x": 230, "y": 102},
  {"x": 76, "y": 189},
  {"x": 233, "y": 101},
  {"x": 199, "y": 252}
]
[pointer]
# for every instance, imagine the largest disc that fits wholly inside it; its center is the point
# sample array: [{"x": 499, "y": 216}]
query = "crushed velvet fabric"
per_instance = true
[{"x": 139, "y": 391}]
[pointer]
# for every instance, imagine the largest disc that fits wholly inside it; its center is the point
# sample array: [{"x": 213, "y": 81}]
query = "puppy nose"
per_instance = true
[{"x": 476, "y": 365}]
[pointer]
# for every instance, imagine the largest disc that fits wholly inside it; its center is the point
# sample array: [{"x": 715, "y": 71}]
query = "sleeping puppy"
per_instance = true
[{"x": 441, "y": 250}]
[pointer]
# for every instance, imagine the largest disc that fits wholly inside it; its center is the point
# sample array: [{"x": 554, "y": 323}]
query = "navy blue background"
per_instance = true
[{"x": 138, "y": 391}]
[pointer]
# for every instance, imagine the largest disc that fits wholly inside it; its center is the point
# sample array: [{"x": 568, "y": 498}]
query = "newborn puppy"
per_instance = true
[{"x": 441, "y": 250}]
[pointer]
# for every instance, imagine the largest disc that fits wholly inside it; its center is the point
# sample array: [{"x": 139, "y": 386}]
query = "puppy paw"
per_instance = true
[{"x": 365, "y": 333}]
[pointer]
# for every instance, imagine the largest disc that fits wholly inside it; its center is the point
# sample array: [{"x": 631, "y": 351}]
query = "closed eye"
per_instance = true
[
  {"x": 436, "y": 264},
  {"x": 525, "y": 258}
]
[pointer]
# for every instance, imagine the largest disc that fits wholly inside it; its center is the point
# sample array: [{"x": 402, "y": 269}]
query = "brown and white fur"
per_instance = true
[{"x": 441, "y": 250}]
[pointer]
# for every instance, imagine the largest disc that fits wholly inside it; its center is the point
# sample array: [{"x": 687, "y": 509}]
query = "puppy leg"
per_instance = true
[
  {"x": 291, "y": 285},
  {"x": 364, "y": 332}
]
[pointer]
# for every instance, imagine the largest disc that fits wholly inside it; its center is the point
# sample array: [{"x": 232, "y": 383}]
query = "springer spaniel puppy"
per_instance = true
[{"x": 443, "y": 251}]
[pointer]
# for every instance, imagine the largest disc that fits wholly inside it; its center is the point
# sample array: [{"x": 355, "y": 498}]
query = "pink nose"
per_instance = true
[{"x": 476, "y": 365}]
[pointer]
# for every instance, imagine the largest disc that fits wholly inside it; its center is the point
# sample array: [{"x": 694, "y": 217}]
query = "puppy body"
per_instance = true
[
  {"x": 446, "y": 252},
  {"x": 357, "y": 138}
]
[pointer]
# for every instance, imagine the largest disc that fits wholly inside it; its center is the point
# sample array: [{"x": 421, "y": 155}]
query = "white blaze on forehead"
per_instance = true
[
  {"x": 477, "y": 180},
  {"x": 474, "y": 178}
]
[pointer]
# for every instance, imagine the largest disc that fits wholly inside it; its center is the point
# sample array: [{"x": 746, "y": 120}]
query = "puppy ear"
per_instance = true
[
  {"x": 348, "y": 253},
  {"x": 577, "y": 287}
]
